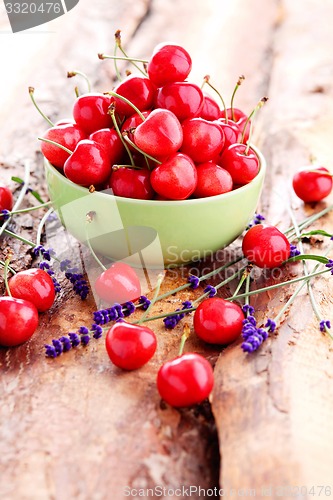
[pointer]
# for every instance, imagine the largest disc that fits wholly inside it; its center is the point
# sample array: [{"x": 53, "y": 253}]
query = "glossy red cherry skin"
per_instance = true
[
  {"x": 89, "y": 164},
  {"x": 185, "y": 380},
  {"x": 232, "y": 134},
  {"x": 111, "y": 141},
  {"x": 68, "y": 135},
  {"x": 234, "y": 114},
  {"x": 210, "y": 110},
  {"x": 176, "y": 178},
  {"x": 137, "y": 89},
  {"x": 118, "y": 284},
  {"x": 160, "y": 135},
  {"x": 90, "y": 112},
  {"x": 184, "y": 99},
  {"x": 130, "y": 346},
  {"x": 311, "y": 186},
  {"x": 131, "y": 123},
  {"x": 18, "y": 321},
  {"x": 218, "y": 321},
  {"x": 169, "y": 63},
  {"x": 34, "y": 285},
  {"x": 132, "y": 183},
  {"x": 243, "y": 167},
  {"x": 202, "y": 139},
  {"x": 212, "y": 180},
  {"x": 265, "y": 246},
  {"x": 6, "y": 198}
]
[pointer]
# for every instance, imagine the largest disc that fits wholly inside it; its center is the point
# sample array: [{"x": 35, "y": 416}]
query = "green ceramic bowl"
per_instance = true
[{"x": 152, "y": 233}]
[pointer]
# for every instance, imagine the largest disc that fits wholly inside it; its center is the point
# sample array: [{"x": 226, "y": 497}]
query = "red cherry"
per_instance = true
[
  {"x": 241, "y": 124},
  {"x": 111, "y": 141},
  {"x": 218, "y": 321},
  {"x": 176, "y": 178},
  {"x": 184, "y": 99},
  {"x": 185, "y": 380},
  {"x": 130, "y": 346},
  {"x": 243, "y": 166},
  {"x": 65, "y": 121},
  {"x": 265, "y": 246},
  {"x": 68, "y": 135},
  {"x": 202, "y": 139},
  {"x": 169, "y": 63},
  {"x": 118, "y": 284},
  {"x": 6, "y": 198},
  {"x": 18, "y": 321},
  {"x": 90, "y": 112},
  {"x": 160, "y": 135},
  {"x": 212, "y": 180},
  {"x": 234, "y": 114},
  {"x": 132, "y": 183},
  {"x": 131, "y": 123},
  {"x": 34, "y": 285},
  {"x": 137, "y": 89},
  {"x": 210, "y": 110},
  {"x": 311, "y": 184},
  {"x": 232, "y": 134},
  {"x": 88, "y": 165}
]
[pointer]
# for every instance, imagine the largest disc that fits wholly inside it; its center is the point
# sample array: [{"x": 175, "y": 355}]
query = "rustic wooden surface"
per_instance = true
[{"x": 76, "y": 427}]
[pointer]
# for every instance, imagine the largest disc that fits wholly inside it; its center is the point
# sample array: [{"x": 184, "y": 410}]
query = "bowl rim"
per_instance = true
[{"x": 187, "y": 202}]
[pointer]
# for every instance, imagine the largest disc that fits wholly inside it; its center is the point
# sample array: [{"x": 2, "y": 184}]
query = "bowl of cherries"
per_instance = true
[{"x": 154, "y": 167}]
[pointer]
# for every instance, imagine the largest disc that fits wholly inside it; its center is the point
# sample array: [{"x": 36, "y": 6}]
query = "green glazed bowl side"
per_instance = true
[{"x": 185, "y": 230}]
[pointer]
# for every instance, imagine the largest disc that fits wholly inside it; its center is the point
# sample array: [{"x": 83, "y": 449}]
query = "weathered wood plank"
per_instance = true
[{"x": 274, "y": 409}]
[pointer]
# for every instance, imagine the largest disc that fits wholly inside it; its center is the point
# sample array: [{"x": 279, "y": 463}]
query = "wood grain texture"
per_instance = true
[
  {"x": 77, "y": 427},
  {"x": 274, "y": 410}
]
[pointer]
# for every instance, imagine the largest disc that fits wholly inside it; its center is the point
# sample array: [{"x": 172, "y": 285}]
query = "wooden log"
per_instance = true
[{"x": 274, "y": 409}]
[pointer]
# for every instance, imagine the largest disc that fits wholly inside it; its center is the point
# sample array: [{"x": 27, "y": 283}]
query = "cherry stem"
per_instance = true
[
  {"x": 260, "y": 104},
  {"x": 306, "y": 271},
  {"x": 89, "y": 220},
  {"x": 154, "y": 299},
  {"x": 55, "y": 144},
  {"x": 244, "y": 276},
  {"x": 112, "y": 112},
  {"x": 5, "y": 275},
  {"x": 127, "y": 101},
  {"x": 238, "y": 84},
  {"x": 41, "y": 225},
  {"x": 77, "y": 93},
  {"x": 206, "y": 80},
  {"x": 117, "y": 167},
  {"x": 128, "y": 140},
  {"x": 184, "y": 337},
  {"x": 70, "y": 74},
  {"x": 2, "y": 263},
  {"x": 222, "y": 283},
  {"x": 20, "y": 196},
  {"x": 115, "y": 59},
  {"x": 122, "y": 58},
  {"x": 119, "y": 45},
  {"x": 31, "y": 93},
  {"x": 30, "y": 209},
  {"x": 307, "y": 222}
]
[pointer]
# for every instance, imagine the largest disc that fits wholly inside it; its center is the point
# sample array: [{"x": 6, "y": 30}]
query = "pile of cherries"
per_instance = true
[{"x": 157, "y": 136}]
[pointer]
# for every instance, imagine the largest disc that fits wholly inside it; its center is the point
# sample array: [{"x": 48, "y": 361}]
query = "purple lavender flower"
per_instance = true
[
  {"x": 80, "y": 285},
  {"x": 294, "y": 251},
  {"x": 171, "y": 322},
  {"x": 257, "y": 219},
  {"x": 330, "y": 265},
  {"x": 97, "y": 331},
  {"x": 324, "y": 324},
  {"x": 252, "y": 335},
  {"x": 211, "y": 290},
  {"x": 4, "y": 215},
  {"x": 111, "y": 314},
  {"x": 194, "y": 281},
  {"x": 128, "y": 309},
  {"x": 144, "y": 301}
]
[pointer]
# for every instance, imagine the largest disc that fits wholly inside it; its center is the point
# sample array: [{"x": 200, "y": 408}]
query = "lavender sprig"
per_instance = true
[
  {"x": 171, "y": 322},
  {"x": 252, "y": 335},
  {"x": 80, "y": 285}
]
